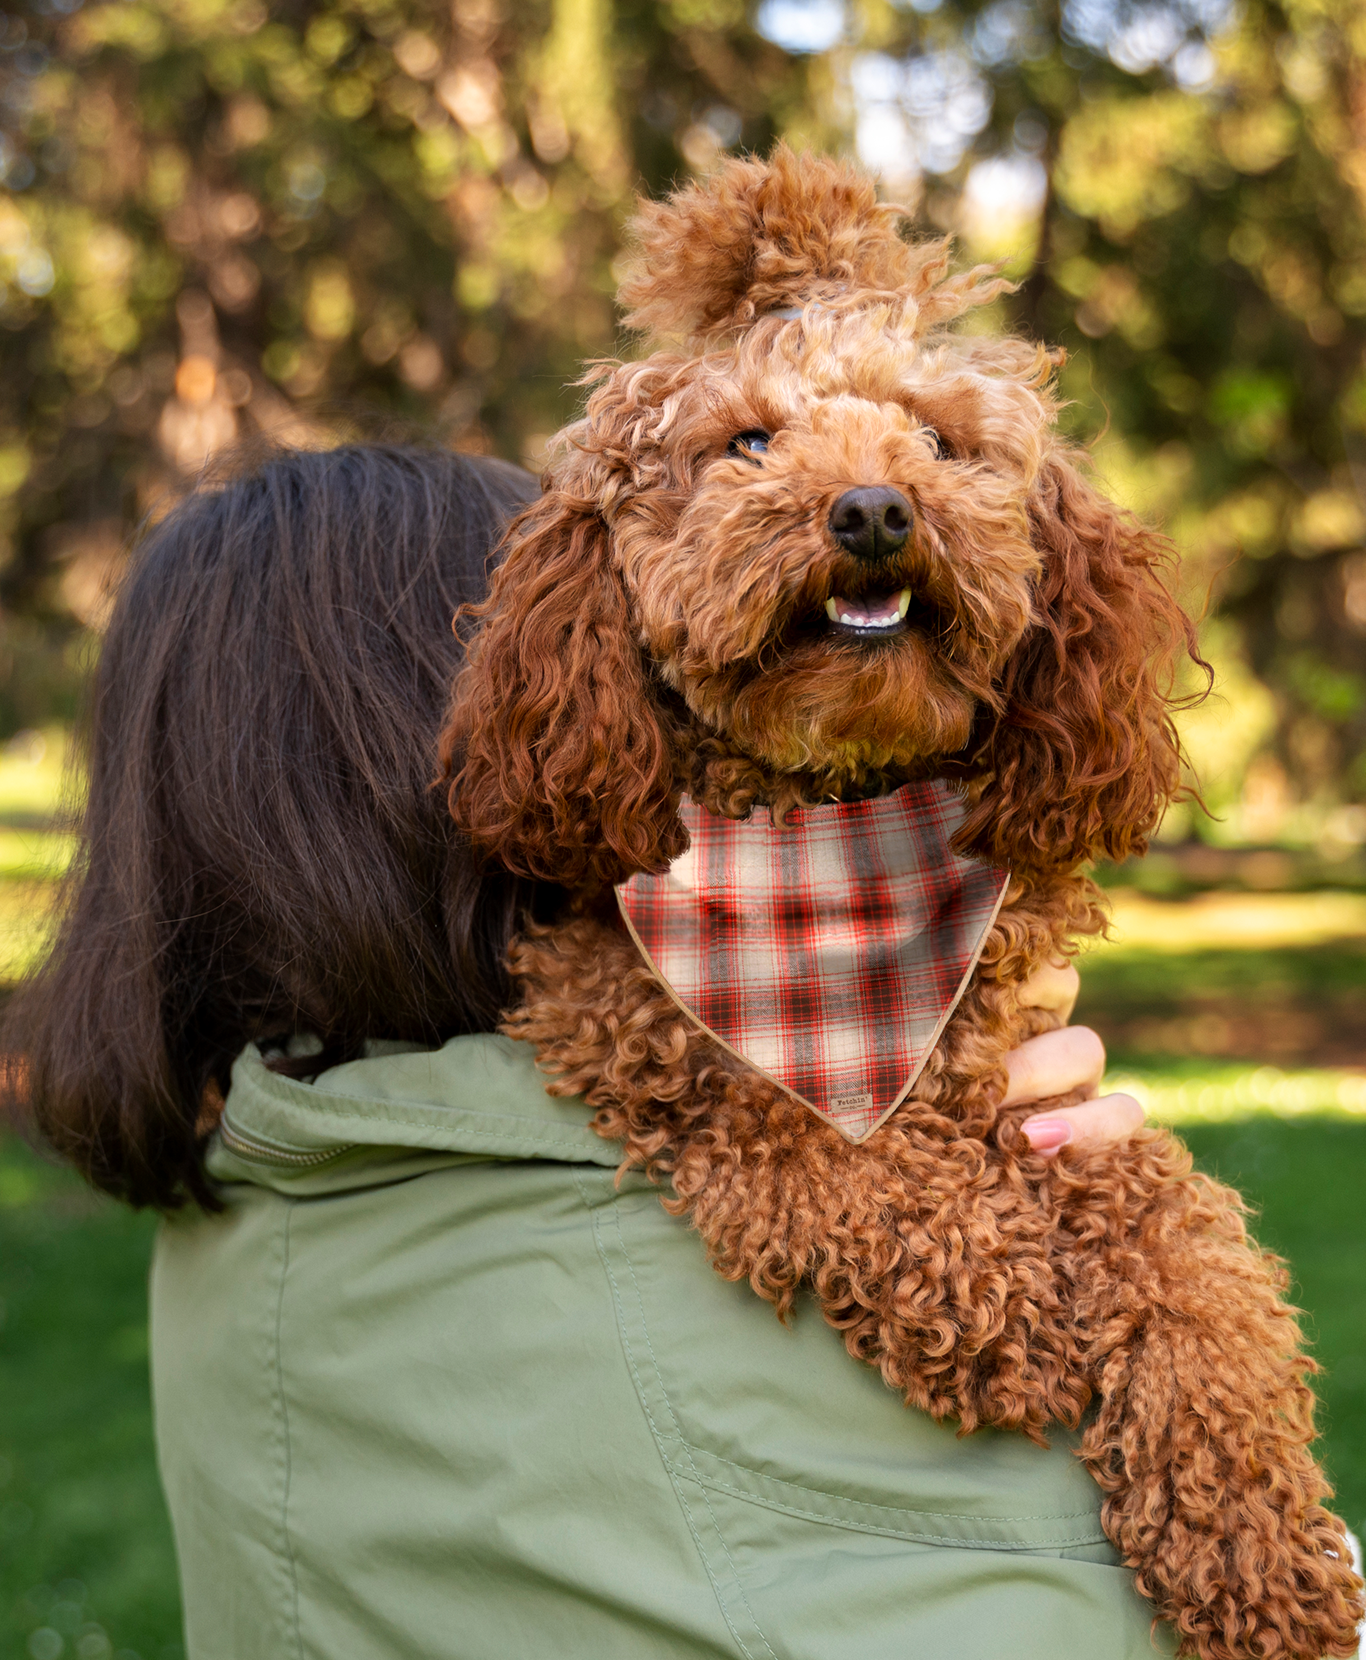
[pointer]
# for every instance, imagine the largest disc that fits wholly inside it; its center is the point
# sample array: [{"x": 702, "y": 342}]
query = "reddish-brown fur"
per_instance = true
[{"x": 655, "y": 628}]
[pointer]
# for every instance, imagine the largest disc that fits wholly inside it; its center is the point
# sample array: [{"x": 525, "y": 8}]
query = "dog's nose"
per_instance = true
[{"x": 872, "y": 521}]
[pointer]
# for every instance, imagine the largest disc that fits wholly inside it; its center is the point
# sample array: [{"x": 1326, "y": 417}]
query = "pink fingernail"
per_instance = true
[{"x": 1046, "y": 1135}]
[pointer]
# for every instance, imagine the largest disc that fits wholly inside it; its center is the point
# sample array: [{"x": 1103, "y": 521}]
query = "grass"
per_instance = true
[
  {"x": 34, "y": 778},
  {"x": 1275, "y": 977},
  {"x": 1183, "y": 992},
  {"x": 1305, "y": 1177},
  {"x": 85, "y": 1551},
  {"x": 86, "y": 1561},
  {"x": 1245, "y": 921},
  {"x": 87, "y": 1568},
  {"x": 33, "y": 783},
  {"x": 1240, "y": 1018}
]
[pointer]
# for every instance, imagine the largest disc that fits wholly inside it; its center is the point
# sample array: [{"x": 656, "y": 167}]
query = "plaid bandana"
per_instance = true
[{"x": 828, "y": 952}]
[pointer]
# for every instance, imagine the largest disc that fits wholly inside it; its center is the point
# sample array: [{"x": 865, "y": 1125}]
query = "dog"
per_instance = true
[{"x": 819, "y": 544}]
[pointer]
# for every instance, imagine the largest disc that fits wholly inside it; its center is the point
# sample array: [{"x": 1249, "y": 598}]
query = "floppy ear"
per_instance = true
[
  {"x": 559, "y": 763},
  {"x": 1082, "y": 757}
]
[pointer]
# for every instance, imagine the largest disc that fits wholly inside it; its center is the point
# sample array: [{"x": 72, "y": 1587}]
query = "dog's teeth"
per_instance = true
[{"x": 879, "y": 613}]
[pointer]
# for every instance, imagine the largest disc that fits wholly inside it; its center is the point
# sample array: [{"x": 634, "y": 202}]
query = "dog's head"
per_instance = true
[{"x": 817, "y": 544}]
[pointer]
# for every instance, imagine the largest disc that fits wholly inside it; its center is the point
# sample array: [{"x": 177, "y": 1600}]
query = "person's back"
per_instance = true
[{"x": 435, "y": 1384}]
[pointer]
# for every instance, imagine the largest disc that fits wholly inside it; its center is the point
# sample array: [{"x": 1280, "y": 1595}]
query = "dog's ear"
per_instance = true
[
  {"x": 1081, "y": 757},
  {"x": 558, "y": 763}
]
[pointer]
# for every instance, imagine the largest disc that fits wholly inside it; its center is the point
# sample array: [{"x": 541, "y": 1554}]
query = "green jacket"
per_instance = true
[{"x": 434, "y": 1386}]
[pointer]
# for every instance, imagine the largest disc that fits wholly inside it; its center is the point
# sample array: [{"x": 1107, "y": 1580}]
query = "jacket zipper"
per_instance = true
[{"x": 263, "y": 1152}]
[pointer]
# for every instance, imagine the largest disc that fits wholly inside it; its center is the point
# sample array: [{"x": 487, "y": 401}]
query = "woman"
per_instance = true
[
  {"x": 261, "y": 853},
  {"x": 428, "y": 1382}
]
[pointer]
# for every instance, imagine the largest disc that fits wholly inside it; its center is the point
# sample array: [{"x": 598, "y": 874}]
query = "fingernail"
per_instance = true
[{"x": 1046, "y": 1135}]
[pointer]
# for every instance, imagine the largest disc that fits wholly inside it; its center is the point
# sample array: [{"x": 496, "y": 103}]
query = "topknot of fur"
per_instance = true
[{"x": 763, "y": 236}]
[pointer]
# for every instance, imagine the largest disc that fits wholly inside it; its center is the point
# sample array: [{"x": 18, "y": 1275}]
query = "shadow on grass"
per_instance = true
[{"x": 1292, "y": 1005}]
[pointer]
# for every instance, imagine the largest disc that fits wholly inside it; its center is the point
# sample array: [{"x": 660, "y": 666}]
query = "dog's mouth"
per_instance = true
[
  {"x": 865, "y": 615},
  {"x": 872, "y": 616}
]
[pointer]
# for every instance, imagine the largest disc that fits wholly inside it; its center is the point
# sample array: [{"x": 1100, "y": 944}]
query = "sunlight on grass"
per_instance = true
[
  {"x": 25, "y": 915},
  {"x": 1230, "y": 920},
  {"x": 33, "y": 776},
  {"x": 34, "y": 855},
  {"x": 34, "y": 787},
  {"x": 1198, "y": 1091}
]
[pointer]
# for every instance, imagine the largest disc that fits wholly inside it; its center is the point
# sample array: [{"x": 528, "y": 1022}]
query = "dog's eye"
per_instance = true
[
  {"x": 749, "y": 444},
  {"x": 937, "y": 444}
]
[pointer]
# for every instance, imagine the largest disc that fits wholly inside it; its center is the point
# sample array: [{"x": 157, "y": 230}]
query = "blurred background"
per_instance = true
[{"x": 220, "y": 219}]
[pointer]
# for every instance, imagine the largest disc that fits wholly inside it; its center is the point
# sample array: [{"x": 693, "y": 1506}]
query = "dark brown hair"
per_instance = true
[{"x": 261, "y": 853}]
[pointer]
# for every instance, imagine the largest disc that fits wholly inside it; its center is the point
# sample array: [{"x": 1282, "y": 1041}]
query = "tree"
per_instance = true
[{"x": 224, "y": 218}]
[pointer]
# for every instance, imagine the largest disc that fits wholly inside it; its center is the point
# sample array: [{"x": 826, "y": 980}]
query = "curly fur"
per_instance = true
[
  {"x": 762, "y": 236},
  {"x": 657, "y": 626}
]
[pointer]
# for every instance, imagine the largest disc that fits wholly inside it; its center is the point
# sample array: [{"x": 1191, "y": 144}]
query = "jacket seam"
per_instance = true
[
  {"x": 333, "y": 1103},
  {"x": 356, "y": 1106},
  {"x": 704, "y": 1483},
  {"x": 850, "y": 1525},
  {"x": 569, "y": 1143},
  {"x": 292, "y": 1618},
  {"x": 694, "y": 1474},
  {"x": 893, "y": 1509},
  {"x": 654, "y": 1361},
  {"x": 594, "y": 1220}
]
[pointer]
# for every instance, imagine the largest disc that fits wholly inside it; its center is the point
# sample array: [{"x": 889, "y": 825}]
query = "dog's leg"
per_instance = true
[
  {"x": 1202, "y": 1436},
  {"x": 985, "y": 1293}
]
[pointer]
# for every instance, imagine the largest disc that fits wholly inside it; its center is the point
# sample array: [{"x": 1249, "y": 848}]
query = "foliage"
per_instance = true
[
  {"x": 237, "y": 219},
  {"x": 222, "y": 218}
]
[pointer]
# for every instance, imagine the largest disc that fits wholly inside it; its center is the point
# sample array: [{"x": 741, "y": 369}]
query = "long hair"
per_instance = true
[{"x": 261, "y": 852}]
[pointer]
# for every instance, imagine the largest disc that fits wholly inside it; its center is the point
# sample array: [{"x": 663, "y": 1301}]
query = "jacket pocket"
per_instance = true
[{"x": 832, "y": 1519}]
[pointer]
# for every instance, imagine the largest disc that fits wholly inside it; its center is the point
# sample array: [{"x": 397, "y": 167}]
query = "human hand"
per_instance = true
[
  {"x": 1056, "y": 1062},
  {"x": 1054, "y": 986}
]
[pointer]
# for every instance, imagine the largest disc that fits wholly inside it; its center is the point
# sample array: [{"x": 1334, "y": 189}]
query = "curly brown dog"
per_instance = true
[{"x": 663, "y": 622}]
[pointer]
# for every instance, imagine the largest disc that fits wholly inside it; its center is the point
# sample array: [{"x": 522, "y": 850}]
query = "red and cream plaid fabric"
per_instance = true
[{"x": 828, "y": 952}]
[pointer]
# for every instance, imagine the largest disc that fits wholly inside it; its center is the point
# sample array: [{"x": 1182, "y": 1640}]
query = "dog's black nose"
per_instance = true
[{"x": 872, "y": 521}]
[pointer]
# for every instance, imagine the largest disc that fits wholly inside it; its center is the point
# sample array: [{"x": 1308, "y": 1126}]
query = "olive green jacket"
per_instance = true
[{"x": 434, "y": 1386}]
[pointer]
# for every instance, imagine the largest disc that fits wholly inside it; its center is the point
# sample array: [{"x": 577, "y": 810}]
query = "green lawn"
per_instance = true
[
  {"x": 85, "y": 1547},
  {"x": 1307, "y": 1178},
  {"x": 1183, "y": 994},
  {"x": 1281, "y": 977},
  {"x": 1239, "y": 1018}
]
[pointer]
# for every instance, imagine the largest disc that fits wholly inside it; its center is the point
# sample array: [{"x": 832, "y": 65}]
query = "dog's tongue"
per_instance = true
[{"x": 871, "y": 611}]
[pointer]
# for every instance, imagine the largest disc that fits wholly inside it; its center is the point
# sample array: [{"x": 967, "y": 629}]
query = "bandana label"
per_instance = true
[{"x": 828, "y": 952}]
